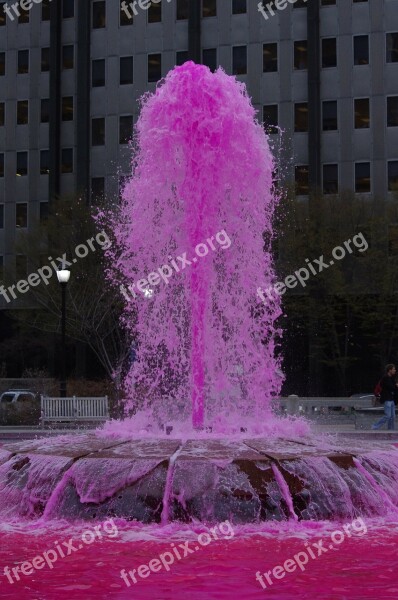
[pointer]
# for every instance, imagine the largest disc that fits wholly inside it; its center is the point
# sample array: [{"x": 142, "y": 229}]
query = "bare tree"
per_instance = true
[{"x": 94, "y": 307}]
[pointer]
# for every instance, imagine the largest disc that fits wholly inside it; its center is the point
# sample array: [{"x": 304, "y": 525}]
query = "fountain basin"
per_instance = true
[{"x": 89, "y": 476}]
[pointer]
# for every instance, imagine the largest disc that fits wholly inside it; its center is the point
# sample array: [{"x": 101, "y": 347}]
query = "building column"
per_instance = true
[
  {"x": 315, "y": 180},
  {"x": 83, "y": 88},
  {"x": 55, "y": 100},
  {"x": 195, "y": 31}
]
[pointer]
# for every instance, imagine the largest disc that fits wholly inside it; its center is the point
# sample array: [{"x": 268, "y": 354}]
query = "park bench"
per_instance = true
[{"x": 74, "y": 409}]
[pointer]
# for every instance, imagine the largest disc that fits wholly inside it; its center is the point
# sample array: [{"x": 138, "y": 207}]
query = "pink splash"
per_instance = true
[{"x": 201, "y": 185}]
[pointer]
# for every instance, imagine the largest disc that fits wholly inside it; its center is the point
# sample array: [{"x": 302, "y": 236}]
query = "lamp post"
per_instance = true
[{"x": 63, "y": 278}]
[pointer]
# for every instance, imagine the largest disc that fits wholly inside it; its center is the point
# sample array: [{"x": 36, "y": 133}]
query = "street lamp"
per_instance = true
[{"x": 63, "y": 278}]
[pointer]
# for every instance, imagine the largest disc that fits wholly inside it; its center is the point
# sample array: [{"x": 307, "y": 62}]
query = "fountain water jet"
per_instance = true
[{"x": 202, "y": 167}]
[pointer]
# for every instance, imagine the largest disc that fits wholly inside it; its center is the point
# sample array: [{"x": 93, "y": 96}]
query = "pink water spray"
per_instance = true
[{"x": 201, "y": 178}]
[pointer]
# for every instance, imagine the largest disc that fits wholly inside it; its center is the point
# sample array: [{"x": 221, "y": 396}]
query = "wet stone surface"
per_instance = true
[{"x": 209, "y": 480}]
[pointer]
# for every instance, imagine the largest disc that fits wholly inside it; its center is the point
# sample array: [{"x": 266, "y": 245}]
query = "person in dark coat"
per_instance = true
[{"x": 388, "y": 397}]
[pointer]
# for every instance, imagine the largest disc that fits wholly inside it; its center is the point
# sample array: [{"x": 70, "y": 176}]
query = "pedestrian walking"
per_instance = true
[{"x": 388, "y": 397}]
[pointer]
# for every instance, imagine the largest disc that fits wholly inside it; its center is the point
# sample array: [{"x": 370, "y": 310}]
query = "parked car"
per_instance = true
[
  {"x": 19, "y": 407},
  {"x": 17, "y": 397}
]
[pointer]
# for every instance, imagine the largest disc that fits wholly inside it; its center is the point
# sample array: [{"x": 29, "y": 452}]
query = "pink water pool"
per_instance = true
[{"x": 361, "y": 567}]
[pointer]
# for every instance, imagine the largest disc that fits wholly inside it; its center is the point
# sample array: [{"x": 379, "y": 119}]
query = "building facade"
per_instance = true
[{"x": 324, "y": 72}]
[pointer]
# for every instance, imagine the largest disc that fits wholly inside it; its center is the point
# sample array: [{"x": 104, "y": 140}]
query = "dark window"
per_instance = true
[
  {"x": 239, "y": 7},
  {"x": 2, "y": 63},
  {"x": 23, "y": 15},
  {"x": 329, "y": 115},
  {"x": 22, "y": 112},
  {"x": 45, "y": 10},
  {"x": 67, "y": 108},
  {"x": 45, "y": 59},
  {"x": 328, "y": 2},
  {"x": 270, "y": 58},
  {"x": 362, "y": 113},
  {"x": 21, "y": 215},
  {"x": 21, "y": 264},
  {"x": 68, "y": 9},
  {"x": 2, "y": 15},
  {"x": 330, "y": 179},
  {"x": 300, "y": 55},
  {"x": 301, "y": 180},
  {"x": 97, "y": 189},
  {"x": 23, "y": 61},
  {"x": 44, "y": 162},
  {"x": 361, "y": 50},
  {"x": 43, "y": 211},
  {"x": 181, "y": 57},
  {"x": 99, "y": 15},
  {"x": 1, "y": 216},
  {"x": 8, "y": 398},
  {"x": 154, "y": 67},
  {"x": 126, "y": 70},
  {"x": 126, "y": 14},
  {"x": 182, "y": 9},
  {"x": 125, "y": 129},
  {"x": 329, "y": 53},
  {"x": 362, "y": 178},
  {"x": 392, "y": 47},
  {"x": 155, "y": 13},
  {"x": 209, "y": 58},
  {"x": 239, "y": 60},
  {"x": 45, "y": 110},
  {"x": 392, "y": 111},
  {"x": 98, "y": 131},
  {"x": 22, "y": 163},
  {"x": 393, "y": 176},
  {"x": 67, "y": 57},
  {"x": 301, "y": 117},
  {"x": 2, "y": 164},
  {"x": 2, "y": 113},
  {"x": 67, "y": 160},
  {"x": 209, "y": 8},
  {"x": 98, "y": 73},
  {"x": 270, "y": 118}
]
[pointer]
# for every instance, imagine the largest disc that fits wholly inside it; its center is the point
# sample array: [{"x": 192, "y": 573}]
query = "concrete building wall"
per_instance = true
[{"x": 378, "y": 144}]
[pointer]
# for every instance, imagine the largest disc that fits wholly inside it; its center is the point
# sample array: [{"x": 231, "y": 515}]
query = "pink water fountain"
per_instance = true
[
  {"x": 200, "y": 190},
  {"x": 192, "y": 245}
]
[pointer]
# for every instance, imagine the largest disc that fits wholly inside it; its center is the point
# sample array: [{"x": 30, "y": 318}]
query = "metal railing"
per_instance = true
[{"x": 315, "y": 407}]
